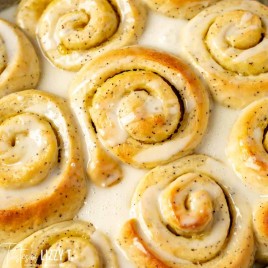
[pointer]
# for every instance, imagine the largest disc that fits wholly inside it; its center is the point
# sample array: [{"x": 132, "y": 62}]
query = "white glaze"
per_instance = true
[
  {"x": 108, "y": 209},
  {"x": 164, "y": 151}
]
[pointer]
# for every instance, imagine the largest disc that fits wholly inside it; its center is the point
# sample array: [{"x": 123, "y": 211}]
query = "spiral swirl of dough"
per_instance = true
[
  {"x": 185, "y": 216},
  {"x": 248, "y": 145},
  {"x": 228, "y": 45},
  {"x": 185, "y": 9},
  {"x": 42, "y": 179},
  {"x": 146, "y": 107},
  {"x": 19, "y": 64},
  {"x": 71, "y": 33},
  {"x": 65, "y": 244}
]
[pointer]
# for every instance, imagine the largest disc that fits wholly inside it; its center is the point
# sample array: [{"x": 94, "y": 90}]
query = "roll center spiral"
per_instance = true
[
  {"x": 136, "y": 103},
  {"x": 187, "y": 210},
  {"x": 91, "y": 25},
  {"x": 246, "y": 29},
  {"x": 236, "y": 41},
  {"x": 28, "y": 150}
]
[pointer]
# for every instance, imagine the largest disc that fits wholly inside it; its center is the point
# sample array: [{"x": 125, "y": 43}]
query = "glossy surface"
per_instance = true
[{"x": 109, "y": 208}]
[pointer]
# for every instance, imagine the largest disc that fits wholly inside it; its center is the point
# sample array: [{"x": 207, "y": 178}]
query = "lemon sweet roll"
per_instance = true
[
  {"x": 71, "y": 33},
  {"x": 227, "y": 43},
  {"x": 140, "y": 106},
  {"x": 186, "y": 215},
  {"x": 42, "y": 180}
]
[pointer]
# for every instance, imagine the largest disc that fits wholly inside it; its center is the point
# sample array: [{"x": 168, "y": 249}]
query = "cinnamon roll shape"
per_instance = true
[
  {"x": 41, "y": 171},
  {"x": 65, "y": 244},
  {"x": 248, "y": 145},
  {"x": 71, "y": 33},
  {"x": 19, "y": 64},
  {"x": 185, "y": 9},
  {"x": 145, "y": 107},
  {"x": 185, "y": 216},
  {"x": 228, "y": 44}
]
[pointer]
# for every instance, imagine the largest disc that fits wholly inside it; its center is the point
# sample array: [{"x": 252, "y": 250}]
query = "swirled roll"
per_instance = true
[
  {"x": 228, "y": 44},
  {"x": 185, "y": 9},
  {"x": 41, "y": 171},
  {"x": 185, "y": 216},
  {"x": 146, "y": 107},
  {"x": 19, "y": 64},
  {"x": 260, "y": 221},
  {"x": 65, "y": 244},
  {"x": 248, "y": 145},
  {"x": 71, "y": 33}
]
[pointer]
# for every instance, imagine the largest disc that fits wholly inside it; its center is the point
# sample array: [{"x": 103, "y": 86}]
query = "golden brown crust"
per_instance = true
[
  {"x": 138, "y": 102},
  {"x": 228, "y": 45},
  {"x": 136, "y": 248},
  {"x": 60, "y": 195},
  {"x": 185, "y": 9},
  {"x": 195, "y": 185}
]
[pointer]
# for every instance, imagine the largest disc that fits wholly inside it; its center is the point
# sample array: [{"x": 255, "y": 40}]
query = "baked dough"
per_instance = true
[
  {"x": 260, "y": 221},
  {"x": 29, "y": 13},
  {"x": 228, "y": 44},
  {"x": 146, "y": 107},
  {"x": 186, "y": 214},
  {"x": 247, "y": 151},
  {"x": 41, "y": 171},
  {"x": 65, "y": 244},
  {"x": 19, "y": 64},
  {"x": 248, "y": 145},
  {"x": 71, "y": 33},
  {"x": 185, "y": 9}
]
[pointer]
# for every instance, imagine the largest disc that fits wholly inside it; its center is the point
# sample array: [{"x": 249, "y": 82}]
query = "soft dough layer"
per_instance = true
[
  {"x": 185, "y": 215},
  {"x": 19, "y": 64},
  {"x": 247, "y": 151},
  {"x": 228, "y": 44},
  {"x": 41, "y": 171},
  {"x": 185, "y": 9},
  {"x": 146, "y": 107},
  {"x": 248, "y": 145},
  {"x": 66, "y": 244},
  {"x": 71, "y": 33}
]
